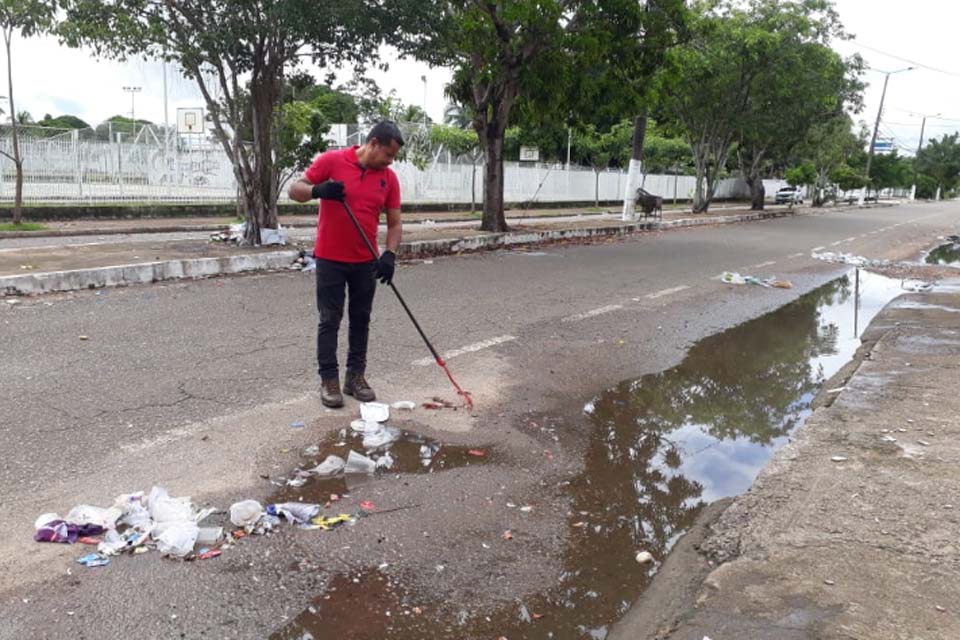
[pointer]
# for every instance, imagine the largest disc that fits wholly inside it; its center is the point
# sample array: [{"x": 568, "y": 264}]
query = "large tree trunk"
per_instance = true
[
  {"x": 493, "y": 216},
  {"x": 758, "y": 192},
  {"x": 15, "y": 139},
  {"x": 700, "y": 201},
  {"x": 263, "y": 181}
]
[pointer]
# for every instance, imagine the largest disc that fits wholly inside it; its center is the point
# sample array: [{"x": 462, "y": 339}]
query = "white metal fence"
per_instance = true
[{"x": 72, "y": 167}]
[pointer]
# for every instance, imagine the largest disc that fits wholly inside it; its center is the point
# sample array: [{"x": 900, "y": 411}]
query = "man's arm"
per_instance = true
[
  {"x": 300, "y": 190},
  {"x": 394, "y": 229}
]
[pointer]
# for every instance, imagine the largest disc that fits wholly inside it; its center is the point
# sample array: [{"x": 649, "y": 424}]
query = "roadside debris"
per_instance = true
[
  {"x": 644, "y": 557},
  {"x": 848, "y": 258},
  {"x": 732, "y": 277},
  {"x": 304, "y": 263}
]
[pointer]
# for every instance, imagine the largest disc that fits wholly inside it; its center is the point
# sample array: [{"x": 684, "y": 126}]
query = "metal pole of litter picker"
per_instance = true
[{"x": 403, "y": 303}]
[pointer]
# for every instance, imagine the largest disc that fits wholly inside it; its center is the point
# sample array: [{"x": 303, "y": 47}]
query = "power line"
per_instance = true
[{"x": 907, "y": 60}]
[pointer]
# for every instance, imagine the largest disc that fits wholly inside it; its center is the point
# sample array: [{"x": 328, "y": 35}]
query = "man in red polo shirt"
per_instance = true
[{"x": 362, "y": 177}]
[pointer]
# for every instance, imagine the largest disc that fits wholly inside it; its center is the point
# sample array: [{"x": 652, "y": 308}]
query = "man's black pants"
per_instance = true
[{"x": 334, "y": 279}]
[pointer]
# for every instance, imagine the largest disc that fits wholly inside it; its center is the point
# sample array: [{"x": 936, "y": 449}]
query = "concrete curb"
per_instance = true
[
  {"x": 148, "y": 272},
  {"x": 142, "y": 273},
  {"x": 498, "y": 240}
]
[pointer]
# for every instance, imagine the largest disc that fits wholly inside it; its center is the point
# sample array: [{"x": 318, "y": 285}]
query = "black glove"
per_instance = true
[
  {"x": 385, "y": 267},
  {"x": 329, "y": 190}
]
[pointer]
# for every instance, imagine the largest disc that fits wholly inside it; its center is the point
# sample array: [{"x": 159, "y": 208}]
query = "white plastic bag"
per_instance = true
[
  {"x": 273, "y": 236},
  {"x": 404, "y": 405},
  {"x": 44, "y": 519},
  {"x": 245, "y": 513},
  {"x": 179, "y": 539},
  {"x": 330, "y": 467},
  {"x": 88, "y": 514},
  {"x": 163, "y": 508}
]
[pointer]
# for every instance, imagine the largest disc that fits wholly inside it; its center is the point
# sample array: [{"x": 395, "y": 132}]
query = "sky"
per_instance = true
[{"x": 52, "y": 79}]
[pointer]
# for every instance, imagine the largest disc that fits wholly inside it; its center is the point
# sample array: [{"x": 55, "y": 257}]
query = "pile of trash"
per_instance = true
[
  {"x": 236, "y": 232},
  {"x": 377, "y": 438},
  {"x": 140, "y": 522},
  {"x": 732, "y": 277}
]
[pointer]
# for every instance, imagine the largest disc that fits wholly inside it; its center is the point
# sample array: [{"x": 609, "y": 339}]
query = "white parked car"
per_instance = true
[{"x": 789, "y": 195}]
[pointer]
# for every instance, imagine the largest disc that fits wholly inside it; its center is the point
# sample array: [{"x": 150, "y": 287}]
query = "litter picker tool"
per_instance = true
[{"x": 436, "y": 356}]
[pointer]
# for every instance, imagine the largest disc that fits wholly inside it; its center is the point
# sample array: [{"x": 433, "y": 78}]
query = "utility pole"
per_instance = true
[
  {"x": 923, "y": 126},
  {"x": 133, "y": 91},
  {"x": 876, "y": 127}
]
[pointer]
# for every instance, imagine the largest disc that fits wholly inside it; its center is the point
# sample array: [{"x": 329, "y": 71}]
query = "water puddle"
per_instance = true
[
  {"x": 410, "y": 452},
  {"x": 945, "y": 254},
  {"x": 662, "y": 447}
]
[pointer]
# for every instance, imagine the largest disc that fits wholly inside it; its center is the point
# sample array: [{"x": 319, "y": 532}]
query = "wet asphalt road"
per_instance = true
[{"x": 194, "y": 386}]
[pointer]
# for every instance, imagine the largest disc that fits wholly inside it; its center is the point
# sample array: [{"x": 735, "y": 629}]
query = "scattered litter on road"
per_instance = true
[
  {"x": 829, "y": 582},
  {"x": 312, "y": 450},
  {"x": 296, "y": 512},
  {"x": 838, "y": 459},
  {"x": 439, "y": 403},
  {"x": 245, "y": 513},
  {"x": 359, "y": 464},
  {"x": 916, "y": 286},
  {"x": 477, "y": 453},
  {"x": 847, "y": 258},
  {"x": 732, "y": 277},
  {"x": 404, "y": 405},
  {"x": 507, "y": 535},
  {"x": 644, "y": 557},
  {"x": 93, "y": 560},
  {"x": 299, "y": 424},
  {"x": 837, "y": 390},
  {"x": 330, "y": 467},
  {"x": 366, "y": 505},
  {"x": 208, "y": 554}
]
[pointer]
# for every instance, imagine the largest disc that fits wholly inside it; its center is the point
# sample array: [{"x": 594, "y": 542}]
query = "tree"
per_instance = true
[
  {"x": 890, "y": 171},
  {"x": 801, "y": 175},
  {"x": 940, "y": 160},
  {"x": 27, "y": 18},
  {"x": 596, "y": 149},
  {"x": 847, "y": 178},
  {"x": 801, "y": 81},
  {"x": 460, "y": 142},
  {"x": 828, "y": 145},
  {"x": 63, "y": 122},
  {"x": 506, "y": 53},
  {"x": 757, "y": 75},
  {"x": 217, "y": 44}
]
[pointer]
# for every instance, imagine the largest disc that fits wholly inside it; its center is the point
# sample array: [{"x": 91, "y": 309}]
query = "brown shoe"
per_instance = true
[
  {"x": 330, "y": 394},
  {"x": 356, "y": 385}
]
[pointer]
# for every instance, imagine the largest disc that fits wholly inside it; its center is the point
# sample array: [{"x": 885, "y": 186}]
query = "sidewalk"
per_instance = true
[
  {"x": 106, "y": 261},
  {"x": 851, "y": 530}
]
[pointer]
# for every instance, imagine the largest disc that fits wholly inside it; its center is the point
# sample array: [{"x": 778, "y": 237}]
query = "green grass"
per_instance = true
[{"x": 24, "y": 226}]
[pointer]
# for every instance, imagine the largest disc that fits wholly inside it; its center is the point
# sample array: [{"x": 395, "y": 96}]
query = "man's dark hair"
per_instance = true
[{"x": 386, "y": 132}]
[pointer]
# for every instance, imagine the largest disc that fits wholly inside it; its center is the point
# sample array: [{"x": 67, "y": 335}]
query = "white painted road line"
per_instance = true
[
  {"x": 796, "y": 255},
  {"x": 850, "y": 239},
  {"x": 762, "y": 264},
  {"x": 666, "y": 292},
  {"x": 593, "y": 313},
  {"x": 170, "y": 436},
  {"x": 470, "y": 348},
  {"x": 833, "y": 244},
  {"x": 818, "y": 249}
]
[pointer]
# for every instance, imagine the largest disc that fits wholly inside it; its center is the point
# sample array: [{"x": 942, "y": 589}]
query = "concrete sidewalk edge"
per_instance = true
[{"x": 145, "y": 273}]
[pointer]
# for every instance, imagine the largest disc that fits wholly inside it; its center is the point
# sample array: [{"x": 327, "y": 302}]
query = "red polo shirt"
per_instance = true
[{"x": 368, "y": 193}]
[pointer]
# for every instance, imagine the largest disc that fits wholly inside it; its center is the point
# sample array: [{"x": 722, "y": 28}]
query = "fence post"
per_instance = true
[{"x": 75, "y": 138}]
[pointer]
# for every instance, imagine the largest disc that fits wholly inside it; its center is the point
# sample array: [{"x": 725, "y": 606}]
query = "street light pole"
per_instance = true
[
  {"x": 424, "y": 78},
  {"x": 923, "y": 126},
  {"x": 133, "y": 91},
  {"x": 876, "y": 127}
]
